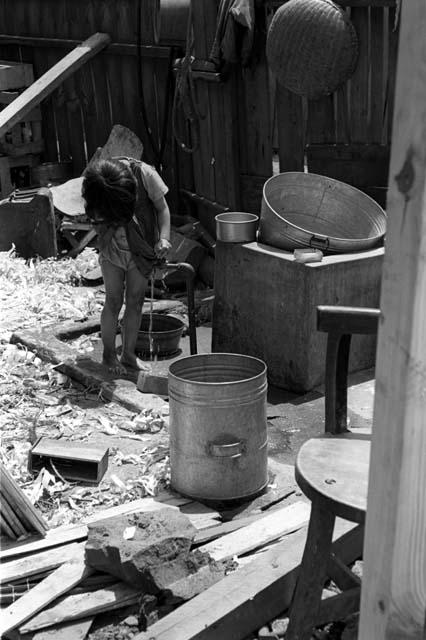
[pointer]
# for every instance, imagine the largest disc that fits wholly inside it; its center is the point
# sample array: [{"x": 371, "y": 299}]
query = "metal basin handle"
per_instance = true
[{"x": 319, "y": 243}]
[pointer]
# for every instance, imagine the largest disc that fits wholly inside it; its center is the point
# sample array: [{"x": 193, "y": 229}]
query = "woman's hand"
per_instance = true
[{"x": 162, "y": 248}]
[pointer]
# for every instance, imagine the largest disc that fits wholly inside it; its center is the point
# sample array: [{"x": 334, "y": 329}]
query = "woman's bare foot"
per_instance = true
[
  {"x": 114, "y": 365},
  {"x": 133, "y": 362}
]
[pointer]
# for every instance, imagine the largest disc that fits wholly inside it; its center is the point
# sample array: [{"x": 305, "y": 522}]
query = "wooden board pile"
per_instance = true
[
  {"x": 18, "y": 517},
  {"x": 48, "y": 585}
]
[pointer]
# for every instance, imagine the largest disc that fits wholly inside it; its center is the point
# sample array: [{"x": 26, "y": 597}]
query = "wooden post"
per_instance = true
[{"x": 394, "y": 584}]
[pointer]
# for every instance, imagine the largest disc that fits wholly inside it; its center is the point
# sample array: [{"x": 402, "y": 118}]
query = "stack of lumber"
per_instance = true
[
  {"x": 51, "y": 592},
  {"x": 18, "y": 516},
  {"x": 46, "y": 583}
]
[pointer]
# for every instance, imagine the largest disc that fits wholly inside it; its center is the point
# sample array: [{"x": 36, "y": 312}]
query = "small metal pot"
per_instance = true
[{"x": 236, "y": 226}]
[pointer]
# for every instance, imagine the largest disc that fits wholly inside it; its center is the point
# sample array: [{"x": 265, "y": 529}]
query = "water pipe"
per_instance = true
[{"x": 189, "y": 272}]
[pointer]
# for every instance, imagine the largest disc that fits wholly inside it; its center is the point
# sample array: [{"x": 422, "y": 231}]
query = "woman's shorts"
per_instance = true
[{"x": 118, "y": 257}]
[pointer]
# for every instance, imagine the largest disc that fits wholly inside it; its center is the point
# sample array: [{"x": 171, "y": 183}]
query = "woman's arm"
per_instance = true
[{"x": 162, "y": 246}]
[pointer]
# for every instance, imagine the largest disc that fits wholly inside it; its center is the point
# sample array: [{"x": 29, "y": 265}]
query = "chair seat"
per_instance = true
[{"x": 334, "y": 470}]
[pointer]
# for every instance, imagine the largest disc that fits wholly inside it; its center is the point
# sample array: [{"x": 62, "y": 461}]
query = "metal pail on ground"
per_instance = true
[{"x": 218, "y": 432}]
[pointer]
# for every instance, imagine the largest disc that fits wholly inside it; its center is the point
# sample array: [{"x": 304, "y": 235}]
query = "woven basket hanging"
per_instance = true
[{"x": 312, "y": 47}]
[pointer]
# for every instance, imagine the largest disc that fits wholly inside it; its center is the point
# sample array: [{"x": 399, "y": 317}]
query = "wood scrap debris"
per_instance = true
[
  {"x": 46, "y": 585},
  {"x": 19, "y": 518},
  {"x": 85, "y": 593},
  {"x": 45, "y": 291}
]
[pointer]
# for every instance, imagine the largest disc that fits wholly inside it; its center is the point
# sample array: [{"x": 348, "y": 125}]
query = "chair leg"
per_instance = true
[{"x": 313, "y": 570}]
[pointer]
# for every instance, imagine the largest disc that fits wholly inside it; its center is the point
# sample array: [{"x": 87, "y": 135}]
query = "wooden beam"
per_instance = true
[
  {"x": 38, "y": 563},
  {"x": 74, "y": 630},
  {"x": 49, "y": 81},
  {"x": 393, "y": 600},
  {"x": 271, "y": 527},
  {"x": 245, "y": 600},
  {"x": 83, "y": 605}
]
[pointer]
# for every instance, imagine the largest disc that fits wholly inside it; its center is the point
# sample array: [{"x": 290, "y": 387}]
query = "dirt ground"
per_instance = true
[{"x": 36, "y": 400}]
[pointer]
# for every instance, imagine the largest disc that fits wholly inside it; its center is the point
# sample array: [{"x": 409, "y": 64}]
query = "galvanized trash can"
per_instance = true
[{"x": 218, "y": 431}]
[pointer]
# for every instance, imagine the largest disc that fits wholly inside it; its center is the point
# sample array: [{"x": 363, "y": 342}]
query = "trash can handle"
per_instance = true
[{"x": 225, "y": 450}]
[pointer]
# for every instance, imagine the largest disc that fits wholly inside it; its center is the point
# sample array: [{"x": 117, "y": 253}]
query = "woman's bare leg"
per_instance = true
[
  {"x": 136, "y": 285},
  {"x": 114, "y": 293}
]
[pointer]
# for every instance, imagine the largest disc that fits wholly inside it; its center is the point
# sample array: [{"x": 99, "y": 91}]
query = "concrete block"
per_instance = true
[
  {"x": 147, "y": 550},
  {"x": 265, "y": 306},
  {"x": 202, "y": 572},
  {"x": 156, "y": 383}
]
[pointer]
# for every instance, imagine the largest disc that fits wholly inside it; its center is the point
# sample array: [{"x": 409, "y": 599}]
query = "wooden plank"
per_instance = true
[
  {"x": 392, "y": 58},
  {"x": 258, "y": 118},
  {"x": 376, "y": 63},
  {"x": 15, "y": 75},
  {"x": 312, "y": 574},
  {"x": 74, "y": 630},
  {"x": 252, "y": 192},
  {"x": 361, "y": 165},
  {"x": 21, "y": 504},
  {"x": 341, "y": 575},
  {"x": 11, "y": 517},
  {"x": 62, "y": 535},
  {"x": 360, "y": 78},
  {"x": 224, "y": 528},
  {"x": 339, "y": 607},
  {"x": 245, "y": 600},
  {"x": 232, "y": 141},
  {"x": 200, "y": 515},
  {"x": 43, "y": 86},
  {"x": 271, "y": 527},
  {"x": 6, "y": 528},
  {"x": 36, "y": 563},
  {"x": 393, "y": 599},
  {"x": 321, "y": 121},
  {"x": 341, "y": 110},
  {"x": 126, "y": 72},
  {"x": 83, "y": 605},
  {"x": 165, "y": 84},
  {"x": 43, "y": 22},
  {"x": 56, "y": 584},
  {"x": 73, "y": 97},
  {"x": 290, "y": 130},
  {"x": 204, "y": 19}
]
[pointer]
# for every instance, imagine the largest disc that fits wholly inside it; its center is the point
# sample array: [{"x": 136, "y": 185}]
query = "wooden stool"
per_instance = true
[
  {"x": 78, "y": 234},
  {"x": 332, "y": 471}
]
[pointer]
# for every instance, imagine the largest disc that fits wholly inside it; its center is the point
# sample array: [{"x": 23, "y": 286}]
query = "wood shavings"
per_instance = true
[
  {"x": 36, "y": 400},
  {"x": 44, "y": 290}
]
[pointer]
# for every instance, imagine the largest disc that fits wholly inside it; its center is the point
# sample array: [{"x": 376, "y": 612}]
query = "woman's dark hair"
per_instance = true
[{"x": 109, "y": 190}]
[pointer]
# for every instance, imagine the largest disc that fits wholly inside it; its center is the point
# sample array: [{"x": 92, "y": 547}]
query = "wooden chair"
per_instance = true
[{"x": 332, "y": 471}]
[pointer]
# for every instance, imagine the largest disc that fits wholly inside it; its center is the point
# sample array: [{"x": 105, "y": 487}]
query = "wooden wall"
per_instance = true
[
  {"x": 249, "y": 127},
  {"x": 79, "y": 116},
  {"x": 266, "y": 129}
]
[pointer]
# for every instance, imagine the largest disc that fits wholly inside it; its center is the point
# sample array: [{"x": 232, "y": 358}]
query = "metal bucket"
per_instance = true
[
  {"x": 236, "y": 226},
  {"x": 218, "y": 432},
  {"x": 166, "y": 334},
  {"x": 309, "y": 210}
]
